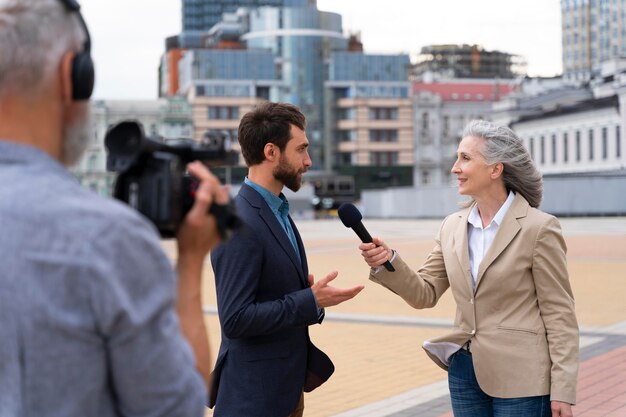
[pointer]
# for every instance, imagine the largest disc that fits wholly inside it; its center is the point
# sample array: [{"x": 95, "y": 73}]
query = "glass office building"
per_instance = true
[
  {"x": 229, "y": 64},
  {"x": 302, "y": 40},
  {"x": 348, "y": 66},
  {"x": 200, "y": 69},
  {"x": 201, "y": 15}
]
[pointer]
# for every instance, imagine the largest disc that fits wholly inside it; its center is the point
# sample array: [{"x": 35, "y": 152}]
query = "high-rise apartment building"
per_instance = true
[
  {"x": 593, "y": 31},
  {"x": 368, "y": 120},
  {"x": 201, "y": 15}
]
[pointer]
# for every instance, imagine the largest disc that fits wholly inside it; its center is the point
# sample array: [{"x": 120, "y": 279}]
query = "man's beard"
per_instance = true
[
  {"x": 75, "y": 140},
  {"x": 288, "y": 176}
]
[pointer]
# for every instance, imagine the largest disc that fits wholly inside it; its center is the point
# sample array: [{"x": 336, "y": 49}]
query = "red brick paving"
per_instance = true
[{"x": 601, "y": 386}]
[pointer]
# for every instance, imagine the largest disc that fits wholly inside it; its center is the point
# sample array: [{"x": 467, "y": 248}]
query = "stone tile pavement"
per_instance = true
[{"x": 375, "y": 340}]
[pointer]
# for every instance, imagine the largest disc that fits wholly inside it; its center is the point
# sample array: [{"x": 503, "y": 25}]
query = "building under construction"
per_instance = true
[{"x": 467, "y": 61}]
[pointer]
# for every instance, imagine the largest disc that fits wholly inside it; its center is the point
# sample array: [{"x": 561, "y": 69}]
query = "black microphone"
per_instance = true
[{"x": 351, "y": 217}]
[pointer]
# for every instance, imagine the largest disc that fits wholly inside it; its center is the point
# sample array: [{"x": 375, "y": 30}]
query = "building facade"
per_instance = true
[
  {"x": 582, "y": 138},
  {"x": 368, "y": 121},
  {"x": 441, "y": 111},
  {"x": 574, "y": 135},
  {"x": 570, "y": 129},
  {"x": 201, "y": 15},
  {"x": 288, "y": 44},
  {"x": 218, "y": 105},
  {"x": 370, "y": 132},
  {"x": 593, "y": 31},
  {"x": 302, "y": 40},
  {"x": 221, "y": 85}
]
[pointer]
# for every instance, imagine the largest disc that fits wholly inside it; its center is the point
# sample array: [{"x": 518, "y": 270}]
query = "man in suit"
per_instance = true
[
  {"x": 95, "y": 320},
  {"x": 514, "y": 346},
  {"x": 266, "y": 298}
]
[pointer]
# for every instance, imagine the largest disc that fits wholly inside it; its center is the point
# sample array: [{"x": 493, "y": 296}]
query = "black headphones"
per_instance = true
[{"x": 83, "y": 74}]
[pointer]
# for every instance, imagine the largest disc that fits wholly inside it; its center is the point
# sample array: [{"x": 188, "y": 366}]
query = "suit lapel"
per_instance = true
[
  {"x": 303, "y": 261},
  {"x": 461, "y": 248},
  {"x": 268, "y": 217},
  {"x": 509, "y": 228}
]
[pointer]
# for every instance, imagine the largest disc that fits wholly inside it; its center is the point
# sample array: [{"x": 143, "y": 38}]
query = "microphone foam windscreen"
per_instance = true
[{"x": 349, "y": 214}]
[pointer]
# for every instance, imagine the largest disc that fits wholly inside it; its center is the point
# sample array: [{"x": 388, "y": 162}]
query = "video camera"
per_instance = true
[{"x": 152, "y": 174}]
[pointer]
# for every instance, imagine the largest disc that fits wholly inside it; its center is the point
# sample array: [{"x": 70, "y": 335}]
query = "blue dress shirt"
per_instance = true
[{"x": 280, "y": 207}]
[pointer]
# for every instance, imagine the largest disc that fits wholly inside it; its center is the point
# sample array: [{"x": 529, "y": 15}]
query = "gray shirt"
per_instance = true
[{"x": 87, "y": 319}]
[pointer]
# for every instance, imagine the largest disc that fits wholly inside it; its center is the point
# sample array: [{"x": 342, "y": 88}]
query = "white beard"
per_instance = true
[{"x": 75, "y": 140}]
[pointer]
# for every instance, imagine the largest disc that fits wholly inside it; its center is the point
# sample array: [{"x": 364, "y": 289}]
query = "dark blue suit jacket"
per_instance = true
[{"x": 265, "y": 306}]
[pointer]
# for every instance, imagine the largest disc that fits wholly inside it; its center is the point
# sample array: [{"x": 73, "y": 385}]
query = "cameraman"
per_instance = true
[{"x": 94, "y": 319}]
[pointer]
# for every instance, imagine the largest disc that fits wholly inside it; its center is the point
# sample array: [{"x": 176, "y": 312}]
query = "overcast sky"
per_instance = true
[{"x": 129, "y": 35}]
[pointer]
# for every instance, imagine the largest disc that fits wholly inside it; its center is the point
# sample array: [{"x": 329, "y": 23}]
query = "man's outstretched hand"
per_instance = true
[{"x": 328, "y": 296}]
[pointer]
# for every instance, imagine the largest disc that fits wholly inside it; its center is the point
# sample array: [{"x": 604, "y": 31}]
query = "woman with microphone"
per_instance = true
[{"x": 513, "y": 350}]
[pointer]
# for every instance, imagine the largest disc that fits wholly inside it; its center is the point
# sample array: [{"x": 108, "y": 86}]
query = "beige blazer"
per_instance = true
[{"x": 520, "y": 318}]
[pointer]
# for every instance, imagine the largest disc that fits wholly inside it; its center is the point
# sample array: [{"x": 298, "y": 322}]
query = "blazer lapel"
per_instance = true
[
  {"x": 461, "y": 247},
  {"x": 303, "y": 261},
  {"x": 506, "y": 232},
  {"x": 268, "y": 217}
]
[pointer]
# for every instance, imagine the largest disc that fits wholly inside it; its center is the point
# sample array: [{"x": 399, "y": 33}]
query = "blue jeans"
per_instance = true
[{"x": 468, "y": 400}]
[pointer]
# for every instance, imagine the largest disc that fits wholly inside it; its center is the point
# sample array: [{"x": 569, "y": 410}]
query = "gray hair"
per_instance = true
[
  {"x": 34, "y": 35},
  {"x": 503, "y": 146}
]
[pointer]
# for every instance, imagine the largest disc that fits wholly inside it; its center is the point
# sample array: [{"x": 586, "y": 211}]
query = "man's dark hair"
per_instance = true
[{"x": 267, "y": 123}]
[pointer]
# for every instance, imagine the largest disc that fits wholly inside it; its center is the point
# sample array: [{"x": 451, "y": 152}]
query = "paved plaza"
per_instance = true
[{"x": 375, "y": 340}]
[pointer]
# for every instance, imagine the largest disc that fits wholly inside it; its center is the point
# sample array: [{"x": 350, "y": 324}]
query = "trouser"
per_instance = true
[
  {"x": 468, "y": 400},
  {"x": 299, "y": 411}
]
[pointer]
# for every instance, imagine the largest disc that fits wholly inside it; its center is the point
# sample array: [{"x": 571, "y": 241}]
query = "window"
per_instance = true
[
  {"x": 347, "y": 135},
  {"x": 425, "y": 121},
  {"x": 263, "y": 92},
  {"x": 554, "y": 149},
  {"x": 542, "y": 150},
  {"x": 383, "y": 135},
  {"x": 383, "y": 158},
  {"x": 345, "y": 158},
  {"x": 591, "y": 144},
  {"x": 565, "y": 147},
  {"x": 224, "y": 113},
  {"x": 346, "y": 113},
  {"x": 578, "y": 145},
  {"x": 425, "y": 177},
  {"x": 531, "y": 146},
  {"x": 383, "y": 113},
  {"x": 341, "y": 93},
  {"x": 605, "y": 143},
  {"x": 618, "y": 143}
]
